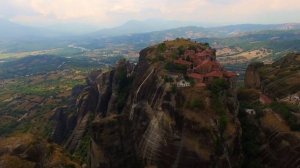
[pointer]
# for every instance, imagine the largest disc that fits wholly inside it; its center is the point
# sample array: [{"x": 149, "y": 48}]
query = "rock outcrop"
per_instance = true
[
  {"x": 132, "y": 117},
  {"x": 271, "y": 135},
  {"x": 278, "y": 80},
  {"x": 252, "y": 76},
  {"x": 28, "y": 151},
  {"x": 274, "y": 144}
]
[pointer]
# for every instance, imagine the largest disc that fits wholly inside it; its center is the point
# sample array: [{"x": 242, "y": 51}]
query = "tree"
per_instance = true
[
  {"x": 181, "y": 50},
  {"x": 218, "y": 85}
]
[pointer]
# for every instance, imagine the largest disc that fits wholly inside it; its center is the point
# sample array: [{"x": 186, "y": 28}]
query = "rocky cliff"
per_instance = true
[
  {"x": 252, "y": 76},
  {"x": 279, "y": 79},
  {"x": 134, "y": 116},
  {"x": 162, "y": 113},
  {"x": 29, "y": 151},
  {"x": 271, "y": 135},
  {"x": 268, "y": 140}
]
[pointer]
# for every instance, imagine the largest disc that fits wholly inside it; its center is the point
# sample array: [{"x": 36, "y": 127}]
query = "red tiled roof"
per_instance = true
[
  {"x": 207, "y": 63},
  {"x": 214, "y": 74},
  {"x": 230, "y": 74},
  {"x": 265, "y": 99},
  {"x": 189, "y": 52},
  {"x": 200, "y": 84},
  {"x": 198, "y": 61},
  {"x": 182, "y": 62},
  {"x": 196, "y": 76},
  {"x": 200, "y": 49},
  {"x": 202, "y": 54},
  {"x": 205, "y": 53},
  {"x": 198, "y": 67}
]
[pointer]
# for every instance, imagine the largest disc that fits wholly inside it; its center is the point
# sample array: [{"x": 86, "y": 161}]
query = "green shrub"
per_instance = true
[
  {"x": 206, "y": 44},
  {"x": 285, "y": 112},
  {"x": 124, "y": 86},
  {"x": 8, "y": 128},
  {"x": 282, "y": 109},
  {"x": 223, "y": 121},
  {"x": 173, "y": 89},
  {"x": 218, "y": 143},
  {"x": 181, "y": 50},
  {"x": 248, "y": 95},
  {"x": 218, "y": 85},
  {"x": 250, "y": 142},
  {"x": 196, "y": 104},
  {"x": 158, "y": 58},
  {"x": 175, "y": 67},
  {"x": 82, "y": 152},
  {"x": 168, "y": 79},
  {"x": 193, "y": 48},
  {"x": 191, "y": 80},
  {"x": 174, "y": 56},
  {"x": 70, "y": 166},
  {"x": 162, "y": 47}
]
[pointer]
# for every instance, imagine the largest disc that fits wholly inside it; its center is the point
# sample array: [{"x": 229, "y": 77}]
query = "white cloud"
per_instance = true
[{"x": 112, "y": 12}]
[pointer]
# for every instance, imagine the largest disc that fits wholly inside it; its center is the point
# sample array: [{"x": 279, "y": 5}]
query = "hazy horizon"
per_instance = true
[{"x": 98, "y": 14}]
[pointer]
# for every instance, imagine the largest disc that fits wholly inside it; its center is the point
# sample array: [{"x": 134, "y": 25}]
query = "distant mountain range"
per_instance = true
[
  {"x": 136, "y": 27},
  {"x": 231, "y": 29},
  {"x": 14, "y": 31},
  {"x": 10, "y": 30},
  {"x": 97, "y": 40},
  {"x": 187, "y": 29},
  {"x": 139, "y": 34}
]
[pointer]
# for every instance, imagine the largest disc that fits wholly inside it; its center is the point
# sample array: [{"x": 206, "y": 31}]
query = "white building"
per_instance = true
[
  {"x": 183, "y": 83},
  {"x": 250, "y": 111}
]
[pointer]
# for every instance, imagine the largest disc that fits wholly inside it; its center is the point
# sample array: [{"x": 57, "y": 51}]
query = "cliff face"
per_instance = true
[
  {"x": 252, "y": 76},
  {"x": 268, "y": 141},
  {"x": 271, "y": 135},
  {"x": 280, "y": 145},
  {"x": 279, "y": 79},
  {"x": 132, "y": 117}
]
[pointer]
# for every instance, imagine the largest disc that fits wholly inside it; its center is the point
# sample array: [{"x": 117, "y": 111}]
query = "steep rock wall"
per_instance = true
[
  {"x": 147, "y": 124},
  {"x": 252, "y": 77}
]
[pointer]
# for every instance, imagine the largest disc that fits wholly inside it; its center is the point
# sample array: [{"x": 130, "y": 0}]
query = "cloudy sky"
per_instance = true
[{"x": 114, "y": 12}]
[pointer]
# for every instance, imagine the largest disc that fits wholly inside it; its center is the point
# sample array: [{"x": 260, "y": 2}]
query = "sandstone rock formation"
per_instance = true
[
  {"x": 132, "y": 117},
  {"x": 252, "y": 77}
]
